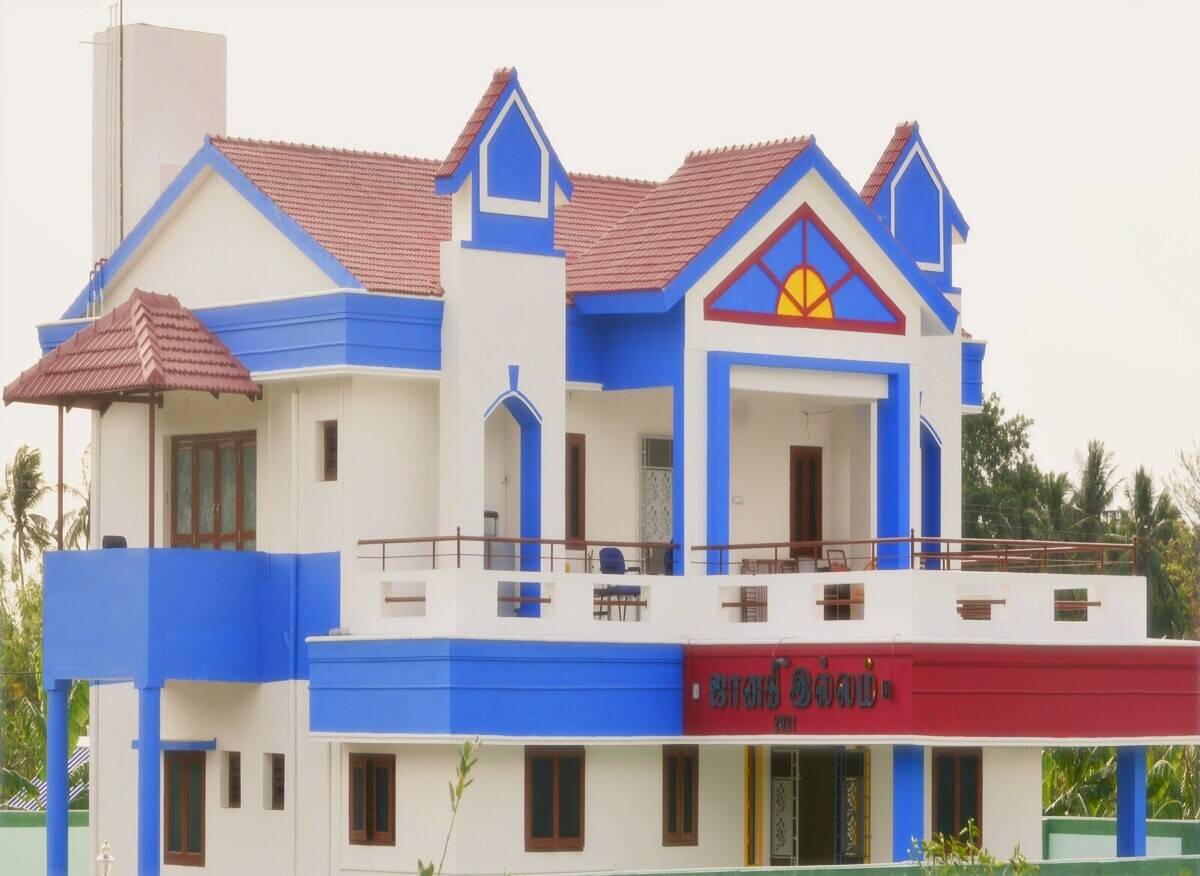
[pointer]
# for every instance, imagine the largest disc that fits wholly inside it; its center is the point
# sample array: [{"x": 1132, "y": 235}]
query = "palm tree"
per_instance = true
[
  {"x": 24, "y": 490},
  {"x": 1050, "y": 518},
  {"x": 1079, "y": 781},
  {"x": 1095, "y": 492},
  {"x": 1151, "y": 519},
  {"x": 77, "y": 524}
]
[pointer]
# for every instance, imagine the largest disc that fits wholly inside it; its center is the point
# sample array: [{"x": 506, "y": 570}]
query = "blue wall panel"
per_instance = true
[
  {"x": 972, "y": 373},
  {"x": 500, "y": 688},
  {"x": 175, "y": 613}
]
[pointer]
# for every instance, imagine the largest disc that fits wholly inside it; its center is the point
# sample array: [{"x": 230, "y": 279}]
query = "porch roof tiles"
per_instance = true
[{"x": 150, "y": 343}]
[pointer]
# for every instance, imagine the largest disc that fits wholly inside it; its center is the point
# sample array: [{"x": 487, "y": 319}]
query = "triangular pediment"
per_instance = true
[{"x": 803, "y": 276}]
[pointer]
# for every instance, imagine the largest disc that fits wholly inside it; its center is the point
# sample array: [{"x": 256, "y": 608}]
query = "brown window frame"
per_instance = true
[
  {"x": 576, "y": 502},
  {"x": 240, "y": 535},
  {"x": 679, "y": 754},
  {"x": 554, "y": 843},
  {"x": 183, "y": 858},
  {"x": 371, "y": 835},
  {"x": 277, "y": 776},
  {"x": 811, "y": 516},
  {"x": 958, "y": 754},
  {"x": 329, "y": 450}
]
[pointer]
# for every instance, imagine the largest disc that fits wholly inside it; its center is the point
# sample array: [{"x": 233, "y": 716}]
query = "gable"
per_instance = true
[
  {"x": 803, "y": 276},
  {"x": 214, "y": 247}
]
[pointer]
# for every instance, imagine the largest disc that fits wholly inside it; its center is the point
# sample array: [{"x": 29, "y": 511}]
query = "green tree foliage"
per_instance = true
[
  {"x": 24, "y": 490},
  {"x": 23, "y": 726},
  {"x": 1000, "y": 479}
]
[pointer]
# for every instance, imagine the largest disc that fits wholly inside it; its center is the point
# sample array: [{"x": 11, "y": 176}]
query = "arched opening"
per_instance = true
[
  {"x": 512, "y": 490},
  {"x": 931, "y": 492}
]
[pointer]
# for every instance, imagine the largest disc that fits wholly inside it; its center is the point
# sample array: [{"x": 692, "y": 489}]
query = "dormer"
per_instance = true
[
  {"x": 909, "y": 195},
  {"x": 503, "y": 176}
]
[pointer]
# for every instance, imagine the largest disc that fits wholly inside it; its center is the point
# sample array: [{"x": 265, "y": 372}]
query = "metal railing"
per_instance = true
[
  {"x": 451, "y": 550},
  {"x": 919, "y": 552},
  {"x": 866, "y": 554}
]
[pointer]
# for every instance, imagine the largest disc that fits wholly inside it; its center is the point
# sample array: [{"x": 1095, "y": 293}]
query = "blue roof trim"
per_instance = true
[
  {"x": 210, "y": 157},
  {"x": 812, "y": 158},
  {"x": 558, "y": 175}
]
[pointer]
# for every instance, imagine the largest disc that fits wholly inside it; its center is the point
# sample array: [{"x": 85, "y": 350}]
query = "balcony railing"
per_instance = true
[{"x": 831, "y": 555}]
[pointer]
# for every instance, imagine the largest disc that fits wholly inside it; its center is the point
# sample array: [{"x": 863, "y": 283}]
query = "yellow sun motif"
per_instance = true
[{"x": 804, "y": 295}]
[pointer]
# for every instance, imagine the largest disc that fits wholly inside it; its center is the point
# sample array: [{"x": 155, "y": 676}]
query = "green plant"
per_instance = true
[
  {"x": 962, "y": 854},
  {"x": 468, "y": 755}
]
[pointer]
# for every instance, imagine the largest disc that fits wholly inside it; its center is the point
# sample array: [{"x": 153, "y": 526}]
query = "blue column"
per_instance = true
[
  {"x": 56, "y": 777},
  {"x": 892, "y": 470},
  {"x": 1131, "y": 802},
  {"x": 908, "y": 800},
  {"x": 149, "y": 780},
  {"x": 717, "y": 528}
]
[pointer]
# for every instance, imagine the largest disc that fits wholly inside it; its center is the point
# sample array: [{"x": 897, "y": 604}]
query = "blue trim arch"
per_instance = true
[
  {"x": 931, "y": 491},
  {"x": 530, "y": 423}
]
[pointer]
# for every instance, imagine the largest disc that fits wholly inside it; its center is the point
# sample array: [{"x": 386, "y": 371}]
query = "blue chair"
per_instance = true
[{"x": 612, "y": 562}]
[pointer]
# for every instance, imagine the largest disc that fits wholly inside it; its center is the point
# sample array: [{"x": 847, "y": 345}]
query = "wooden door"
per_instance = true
[
  {"x": 805, "y": 495},
  {"x": 214, "y": 494}
]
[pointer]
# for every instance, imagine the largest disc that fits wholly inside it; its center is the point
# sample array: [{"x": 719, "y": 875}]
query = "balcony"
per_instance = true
[{"x": 950, "y": 589}]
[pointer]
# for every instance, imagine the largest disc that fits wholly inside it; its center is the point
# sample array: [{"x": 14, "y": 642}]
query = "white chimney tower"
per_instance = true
[{"x": 156, "y": 91}]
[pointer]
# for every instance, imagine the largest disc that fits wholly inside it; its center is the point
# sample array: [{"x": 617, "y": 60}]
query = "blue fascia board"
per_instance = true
[
  {"x": 147, "y": 616},
  {"x": 209, "y": 156},
  {"x": 646, "y": 301},
  {"x": 448, "y": 185},
  {"x": 496, "y": 688},
  {"x": 52, "y": 334},
  {"x": 340, "y": 328},
  {"x": 182, "y": 744},
  {"x": 626, "y": 351}
]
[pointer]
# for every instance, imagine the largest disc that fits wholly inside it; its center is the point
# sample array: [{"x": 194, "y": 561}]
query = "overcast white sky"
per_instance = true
[{"x": 1068, "y": 132}]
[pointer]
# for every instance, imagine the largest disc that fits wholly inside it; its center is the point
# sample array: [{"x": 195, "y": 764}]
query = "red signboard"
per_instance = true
[{"x": 950, "y": 690}]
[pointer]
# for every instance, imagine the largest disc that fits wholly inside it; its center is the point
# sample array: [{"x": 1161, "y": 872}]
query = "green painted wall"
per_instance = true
[{"x": 23, "y": 843}]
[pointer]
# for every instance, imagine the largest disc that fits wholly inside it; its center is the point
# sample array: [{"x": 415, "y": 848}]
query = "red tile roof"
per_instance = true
[
  {"x": 461, "y": 146},
  {"x": 151, "y": 342},
  {"x": 375, "y": 213},
  {"x": 378, "y": 215},
  {"x": 674, "y": 222},
  {"x": 596, "y": 205},
  {"x": 887, "y": 160}
]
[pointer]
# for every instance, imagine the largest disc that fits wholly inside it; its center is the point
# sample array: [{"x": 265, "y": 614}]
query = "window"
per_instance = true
[
  {"x": 273, "y": 796},
  {"x": 1071, "y": 604},
  {"x": 183, "y": 802},
  {"x": 231, "y": 780},
  {"x": 372, "y": 792},
  {"x": 576, "y": 487},
  {"x": 329, "y": 450},
  {"x": 553, "y": 799},
  {"x": 957, "y": 789},
  {"x": 681, "y": 794},
  {"x": 214, "y": 491}
]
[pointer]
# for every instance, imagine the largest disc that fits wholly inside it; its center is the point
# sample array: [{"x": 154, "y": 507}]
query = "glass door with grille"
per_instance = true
[{"x": 213, "y": 491}]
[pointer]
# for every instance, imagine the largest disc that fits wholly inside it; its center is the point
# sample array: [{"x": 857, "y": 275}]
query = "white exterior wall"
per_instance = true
[
  {"x": 1012, "y": 801},
  {"x": 502, "y": 309},
  {"x": 763, "y": 428},
  {"x": 254, "y": 720},
  {"x": 941, "y": 405},
  {"x": 614, "y": 424},
  {"x": 216, "y": 248},
  {"x": 622, "y": 812}
]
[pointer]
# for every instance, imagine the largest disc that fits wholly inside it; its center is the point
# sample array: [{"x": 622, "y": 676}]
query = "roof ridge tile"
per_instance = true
[
  {"x": 762, "y": 145},
  {"x": 314, "y": 147}
]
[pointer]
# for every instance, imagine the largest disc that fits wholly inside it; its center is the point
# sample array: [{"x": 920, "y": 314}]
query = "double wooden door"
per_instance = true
[{"x": 213, "y": 491}]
